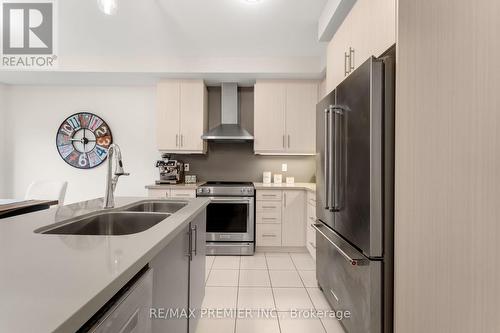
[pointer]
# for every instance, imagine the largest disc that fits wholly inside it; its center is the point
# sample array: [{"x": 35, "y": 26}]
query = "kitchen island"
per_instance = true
[{"x": 55, "y": 283}]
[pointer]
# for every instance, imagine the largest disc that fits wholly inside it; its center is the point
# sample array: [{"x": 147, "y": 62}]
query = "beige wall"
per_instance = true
[
  {"x": 448, "y": 167},
  {"x": 3, "y": 145}
]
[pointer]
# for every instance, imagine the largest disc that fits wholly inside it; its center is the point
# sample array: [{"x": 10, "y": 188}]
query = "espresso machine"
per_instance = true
[{"x": 171, "y": 171}]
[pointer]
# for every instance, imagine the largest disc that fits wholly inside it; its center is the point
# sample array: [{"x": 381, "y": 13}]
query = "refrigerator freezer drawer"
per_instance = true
[{"x": 349, "y": 281}]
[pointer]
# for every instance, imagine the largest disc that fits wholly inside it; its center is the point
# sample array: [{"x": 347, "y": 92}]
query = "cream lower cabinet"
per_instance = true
[
  {"x": 181, "y": 116},
  {"x": 280, "y": 218},
  {"x": 310, "y": 220},
  {"x": 285, "y": 117},
  {"x": 369, "y": 29},
  {"x": 172, "y": 193},
  {"x": 293, "y": 218}
]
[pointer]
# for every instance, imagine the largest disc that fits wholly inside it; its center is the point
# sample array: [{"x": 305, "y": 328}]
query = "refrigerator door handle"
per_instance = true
[
  {"x": 351, "y": 260},
  {"x": 339, "y": 153},
  {"x": 331, "y": 143},
  {"x": 326, "y": 159}
]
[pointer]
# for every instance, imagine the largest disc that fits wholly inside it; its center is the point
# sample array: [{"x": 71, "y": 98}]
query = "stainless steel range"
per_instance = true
[{"x": 230, "y": 217}]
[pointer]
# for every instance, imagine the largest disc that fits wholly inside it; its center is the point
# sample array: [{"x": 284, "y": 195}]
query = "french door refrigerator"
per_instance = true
[{"x": 355, "y": 200}]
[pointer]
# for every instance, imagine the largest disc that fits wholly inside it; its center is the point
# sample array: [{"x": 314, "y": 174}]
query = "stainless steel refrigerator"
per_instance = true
[{"x": 355, "y": 195}]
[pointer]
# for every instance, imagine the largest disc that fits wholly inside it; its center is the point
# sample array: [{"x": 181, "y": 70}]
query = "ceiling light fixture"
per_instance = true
[{"x": 108, "y": 7}]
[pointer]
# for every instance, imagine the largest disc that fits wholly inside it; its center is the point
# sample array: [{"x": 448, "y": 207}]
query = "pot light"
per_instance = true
[{"x": 108, "y": 7}]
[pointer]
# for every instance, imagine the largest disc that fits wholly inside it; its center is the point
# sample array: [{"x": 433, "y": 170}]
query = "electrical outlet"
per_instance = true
[
  {"x": 186, "y": 167},
  {"x": 284, "y": 167}
]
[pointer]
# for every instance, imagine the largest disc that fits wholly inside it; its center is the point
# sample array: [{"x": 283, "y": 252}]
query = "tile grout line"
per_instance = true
[
  {"x": 237, "y": 292},
  {"x": 272, "y": 292},
  {"x": 308, "y": 295}
]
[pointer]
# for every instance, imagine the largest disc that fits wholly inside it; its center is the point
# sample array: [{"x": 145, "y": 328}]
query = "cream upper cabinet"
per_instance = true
[
  {"x": 269, "y": 117},
  {"x": 285, "y": 117},
  {"x": 369, "y": 29},
  {"x": 181, "y": 116},
  {"x": 301, "y": 99}
]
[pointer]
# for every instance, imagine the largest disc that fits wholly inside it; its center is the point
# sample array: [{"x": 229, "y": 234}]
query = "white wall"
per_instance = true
[{"x": 35, "y": 115}]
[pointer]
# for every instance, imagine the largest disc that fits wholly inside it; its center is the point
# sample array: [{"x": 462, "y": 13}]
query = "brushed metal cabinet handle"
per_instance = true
[
  {"x": 268, "y": 235},
  {"x": 284, "y": 145},
  {"x": 351, "y": 59},
  {"x": 346, "y": 63},
  {"x": 182, "y": 140},
  {"x": 177, "y": 140},
  {"x": 288, "y": 140},
  {"x": 194, "y": 230}
]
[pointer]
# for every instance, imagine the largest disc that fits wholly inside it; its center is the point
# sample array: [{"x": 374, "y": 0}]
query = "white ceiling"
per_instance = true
[{"x": 273, "y": 38}]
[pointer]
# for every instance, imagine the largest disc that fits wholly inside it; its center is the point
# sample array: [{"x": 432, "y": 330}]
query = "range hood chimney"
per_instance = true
[{"x": 229, "y": 129}]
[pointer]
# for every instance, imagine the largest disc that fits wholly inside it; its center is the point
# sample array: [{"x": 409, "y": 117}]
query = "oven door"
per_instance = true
[{"x": 230, "y": 219}]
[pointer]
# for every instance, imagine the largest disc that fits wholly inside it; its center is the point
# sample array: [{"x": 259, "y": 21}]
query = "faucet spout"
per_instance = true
[{"x": 114, "y": 153}]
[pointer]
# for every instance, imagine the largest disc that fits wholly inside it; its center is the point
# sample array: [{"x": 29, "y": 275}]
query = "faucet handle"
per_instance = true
[{"x": 122, "y": 174}]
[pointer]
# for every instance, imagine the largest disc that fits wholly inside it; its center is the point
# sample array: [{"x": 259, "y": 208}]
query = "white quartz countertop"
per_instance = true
[
  {"x": 299, "y": 186},
  {"x": 55, "y": 283},
  {"x": 178, "y": 186}
]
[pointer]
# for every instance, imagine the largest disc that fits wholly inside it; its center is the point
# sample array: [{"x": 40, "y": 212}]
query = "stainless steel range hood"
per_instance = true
[{"x": 229, "y": 129}]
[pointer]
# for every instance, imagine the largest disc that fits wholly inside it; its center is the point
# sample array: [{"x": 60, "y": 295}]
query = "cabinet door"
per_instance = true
[
  {"x": 301, "y": 99},
  {"x": 192, "y": 119},
  {"x": 171, "y": 282},
  {"x": 336, "y": 64},
  {"x": 167, "y": 115},
  {"x": 182, "y": 193},
  {"x": 293, "y": 218},
  {"x": 157, "y": 193},
  {"x": 269, "y": 117},
  {"x": 197, "y": 268}
]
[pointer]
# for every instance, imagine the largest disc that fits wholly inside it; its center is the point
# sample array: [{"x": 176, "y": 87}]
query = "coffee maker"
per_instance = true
[{"x": 171, "y": 171}]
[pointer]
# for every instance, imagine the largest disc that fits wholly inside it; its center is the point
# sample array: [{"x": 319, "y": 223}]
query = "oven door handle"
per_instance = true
[{"x": 244, "y": 200}]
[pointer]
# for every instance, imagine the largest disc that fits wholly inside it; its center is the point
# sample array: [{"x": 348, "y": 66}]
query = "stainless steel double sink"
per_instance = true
[{"x": 130, "y": 219}]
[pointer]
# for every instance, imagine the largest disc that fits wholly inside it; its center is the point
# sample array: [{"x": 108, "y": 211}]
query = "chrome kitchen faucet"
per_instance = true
[{"x": 109, "y": 197}]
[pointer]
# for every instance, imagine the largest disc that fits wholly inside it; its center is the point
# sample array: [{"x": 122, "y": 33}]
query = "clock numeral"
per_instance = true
[
  {"x": 65, "y": 150},
  {"x": 94, "y": 123},
  {"x": 101, "y": 152},
  {"x": 104, "y": 141},
  {"x": 82, "y": 160},
  {"x": 101, "y": 131},
  {"x": 74, "y": 122},
  {"x": 66, "y": 129},
  {"x": 85, "y": 120},
  {"x": 93, "y": 159}
]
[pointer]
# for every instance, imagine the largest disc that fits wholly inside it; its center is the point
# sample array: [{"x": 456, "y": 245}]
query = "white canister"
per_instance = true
[
  {"x": 278, "y": 178},
  {"x": 266, "y": 177},
  {"x": 290, "y": 180}
]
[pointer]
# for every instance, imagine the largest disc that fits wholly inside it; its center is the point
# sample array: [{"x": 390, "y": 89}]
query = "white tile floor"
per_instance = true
[{"x": 279, "y": 282}]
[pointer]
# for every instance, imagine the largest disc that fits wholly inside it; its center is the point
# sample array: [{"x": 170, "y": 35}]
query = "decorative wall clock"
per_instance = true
[{"x": 83, "y": 140}]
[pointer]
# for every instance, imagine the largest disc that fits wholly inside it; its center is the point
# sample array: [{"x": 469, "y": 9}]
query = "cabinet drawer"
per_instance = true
[
  {"x": 268, "y": 206},
  {"x": 156, "y": 193},
  {"x": 268, "y": 234},
  {"x": 182, "y": 193},
  {"x": 268, "y": 217},
  {"x": 269, "y": 195},
  {"x": 311, "y": 214},
  {"x": 356, "y": 287},
  {"x": 311, "y": 236}
]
